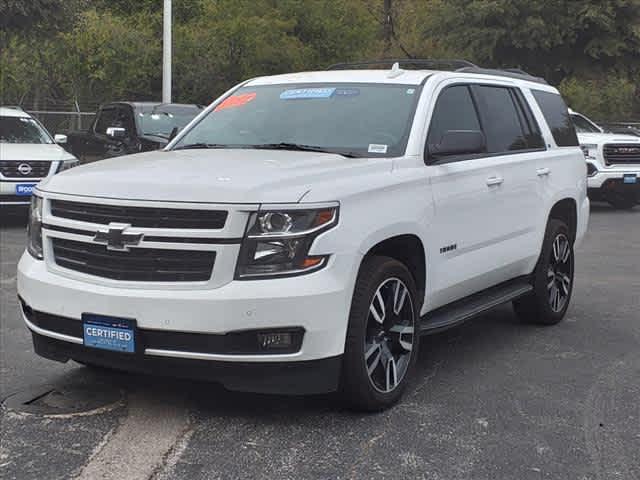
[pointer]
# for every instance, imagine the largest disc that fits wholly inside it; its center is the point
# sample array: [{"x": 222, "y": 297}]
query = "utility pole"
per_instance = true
[
  {"x": 388, "y": 27},
  {"x": 166, "y": 53}
]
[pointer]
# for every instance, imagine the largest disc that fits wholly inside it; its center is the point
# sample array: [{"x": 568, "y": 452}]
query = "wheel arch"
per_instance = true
[
  {"x": 409, "y": 250},
  {"x": 566, "y": 210}
]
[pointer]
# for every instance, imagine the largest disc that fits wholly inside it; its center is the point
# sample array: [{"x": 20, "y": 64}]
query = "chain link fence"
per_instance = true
[
  {"x": 62, "y": 116},
  {"x": 63, "y": 122}
]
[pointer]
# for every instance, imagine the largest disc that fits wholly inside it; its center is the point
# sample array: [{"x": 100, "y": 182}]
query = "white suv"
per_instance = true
[
  {"x": 27, "y": 155},
  {"x": 613, "y": 163},
  {"x": 305, "y": 230}
]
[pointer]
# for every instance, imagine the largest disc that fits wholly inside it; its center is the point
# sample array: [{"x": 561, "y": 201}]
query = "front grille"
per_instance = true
[
  {"x": 145, "y": 217},
  {"x": 24, "y": 168},
  {"x": 622, "y": 154},
  {"x": 137, "y": 265}
]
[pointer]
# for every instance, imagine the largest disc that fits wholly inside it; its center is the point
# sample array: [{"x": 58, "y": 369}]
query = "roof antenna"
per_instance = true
[{"x": 396, "y": 71}]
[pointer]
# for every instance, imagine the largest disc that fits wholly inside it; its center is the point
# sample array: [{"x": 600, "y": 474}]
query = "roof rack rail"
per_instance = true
[
  {"x": 432, "y": 64},
  {"x": 15, "y": 107},
  {"x": 506, "y": 72}
]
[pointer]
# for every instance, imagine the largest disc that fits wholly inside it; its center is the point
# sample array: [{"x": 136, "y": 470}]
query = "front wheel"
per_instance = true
[
  {"x": 382, "y": 342},
  {"x": 552, "y": 279}
]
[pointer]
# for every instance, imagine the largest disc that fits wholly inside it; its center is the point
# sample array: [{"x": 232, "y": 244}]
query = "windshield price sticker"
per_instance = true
[
  {"x": 306, "y": 93},
  {"x": 236, "y": 101}
]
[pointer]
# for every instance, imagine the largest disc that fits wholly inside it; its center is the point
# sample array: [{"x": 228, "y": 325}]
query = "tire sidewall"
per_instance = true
[
  {"x": 356, "y": 384},
  {"x": 555, "y": 228}
]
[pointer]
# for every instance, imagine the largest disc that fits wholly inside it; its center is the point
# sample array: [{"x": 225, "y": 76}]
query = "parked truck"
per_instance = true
[{"x": 121, "y": 128}]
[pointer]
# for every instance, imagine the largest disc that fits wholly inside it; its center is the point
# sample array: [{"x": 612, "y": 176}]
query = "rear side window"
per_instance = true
[
  {"x": 556, "y": 114},
  {"x": 454, "y": 110},
  {"x": 502, "y": 119}
]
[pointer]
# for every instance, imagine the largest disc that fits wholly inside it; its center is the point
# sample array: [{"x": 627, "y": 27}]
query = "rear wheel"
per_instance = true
[
  {"x": 382, "y": 342},
  {"x": 553, "y": 279}
]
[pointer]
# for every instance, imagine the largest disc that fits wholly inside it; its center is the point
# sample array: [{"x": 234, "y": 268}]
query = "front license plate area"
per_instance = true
[
  {"x": 631, "y": 179},
  {"x": 109, "y": 333},
  {"x": 24, "y": 189}
]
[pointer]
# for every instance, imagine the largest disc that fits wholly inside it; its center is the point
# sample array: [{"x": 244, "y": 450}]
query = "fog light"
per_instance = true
[{"x": 275, "y": 340}]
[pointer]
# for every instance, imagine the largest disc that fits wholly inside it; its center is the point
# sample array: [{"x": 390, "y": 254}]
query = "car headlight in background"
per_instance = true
[
  {"x": 278, "y": 240},
  {"x": 34, "y": 228},
  {"x": 67, "y": 164},
  {"x": 590, "y": 151}
]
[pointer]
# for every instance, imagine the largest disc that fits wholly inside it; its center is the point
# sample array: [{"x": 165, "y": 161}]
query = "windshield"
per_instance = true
[
  {"x": 583, "y": 125},
  {"x": 351, "y": 119},
  {"x": 22, "y": 130},
  {"x": 161, "y": 121}
]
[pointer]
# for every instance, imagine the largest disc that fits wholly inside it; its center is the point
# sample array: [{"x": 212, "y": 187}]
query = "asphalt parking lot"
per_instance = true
[{"x": 492, "y": 399}]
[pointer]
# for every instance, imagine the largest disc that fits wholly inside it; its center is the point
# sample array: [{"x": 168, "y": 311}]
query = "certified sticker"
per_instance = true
[{"x": 377, "y": 148}]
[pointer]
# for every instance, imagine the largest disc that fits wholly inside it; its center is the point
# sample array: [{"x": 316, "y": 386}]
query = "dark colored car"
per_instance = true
[{"x": 122, "y": 128}]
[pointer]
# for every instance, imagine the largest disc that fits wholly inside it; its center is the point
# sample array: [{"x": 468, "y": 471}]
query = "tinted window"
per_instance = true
[
  {"x": 124, "y": 118},
  {"x": 502, "y": 122},
  {"x": 454, "y": 110},
  {"x": 105, "y": 120},
  {"x": 530, "y": 124},
  {"x": 557, "y": 116}
]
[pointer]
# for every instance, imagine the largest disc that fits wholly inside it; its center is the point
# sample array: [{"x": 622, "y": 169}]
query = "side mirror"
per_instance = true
[
  {"x": 60, "y": 139},
  {"x": 116, "y": 132},
  {"x": 458, "y": 142}
]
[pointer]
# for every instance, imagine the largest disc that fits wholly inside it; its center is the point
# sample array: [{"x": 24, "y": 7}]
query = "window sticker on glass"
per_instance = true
[
  {"x": 306, "y": 93},
  {"x": 346, "y": 92},
  {"x": 411, "y": 91},
  {"x": 377, "y": 148},
  {"x": 235, "y": 101}
]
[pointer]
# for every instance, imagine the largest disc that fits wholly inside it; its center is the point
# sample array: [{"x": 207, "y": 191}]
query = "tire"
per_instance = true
[
  {"x": 379, "y": 355},
  {"x": 552, "y": 279},
  {"x": 622, "y": 201}
]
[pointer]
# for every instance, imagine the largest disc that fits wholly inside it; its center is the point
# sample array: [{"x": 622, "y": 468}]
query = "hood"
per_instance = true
[
  {"x": 216, "y": 176},
  {"x": 33, "y": 151},
  {"x": 598, "y": 138}
]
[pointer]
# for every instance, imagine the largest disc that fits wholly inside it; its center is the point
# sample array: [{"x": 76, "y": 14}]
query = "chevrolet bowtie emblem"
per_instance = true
[{"x": 115, "y": 237}]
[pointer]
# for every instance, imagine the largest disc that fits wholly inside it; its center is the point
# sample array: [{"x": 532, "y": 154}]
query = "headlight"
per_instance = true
[
  {"x": 67, "y": 164},
  {"x": 590, "y": 151},
  {"x": 277, "y": 241},
  {"x": 34, "y": 228}
]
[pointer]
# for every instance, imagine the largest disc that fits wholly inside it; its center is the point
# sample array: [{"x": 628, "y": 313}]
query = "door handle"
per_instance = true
[
  {"x": 543, "y": 172},
  {"x": 494, "y": 181}
]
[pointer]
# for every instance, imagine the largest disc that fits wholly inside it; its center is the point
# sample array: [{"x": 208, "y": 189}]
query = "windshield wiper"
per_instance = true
[
  {"x": 193, "y": 146},
  {"x": 301, "y": 148},
  {"x": 157, "y": 134}
]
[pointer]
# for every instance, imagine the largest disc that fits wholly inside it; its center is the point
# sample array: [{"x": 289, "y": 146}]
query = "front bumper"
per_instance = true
[
  {"x": 289, "y": 378},
  {"x": 8, "y": 195},
  {"x": 317, "y": 303},
  {"x": 607, "y": 183}
]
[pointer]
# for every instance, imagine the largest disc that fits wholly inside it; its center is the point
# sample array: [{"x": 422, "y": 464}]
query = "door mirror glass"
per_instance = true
[
  {"x": 60, "y": 139},
  {"x": 116, "y": 132},
  {"x": 458, "y": 142}
]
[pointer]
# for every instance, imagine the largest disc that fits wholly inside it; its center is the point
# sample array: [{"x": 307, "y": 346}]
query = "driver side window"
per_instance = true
[{"x": 454, "y": 110}]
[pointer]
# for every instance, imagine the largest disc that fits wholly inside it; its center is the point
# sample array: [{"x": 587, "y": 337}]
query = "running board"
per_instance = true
[{"x": 474, "y": 305}]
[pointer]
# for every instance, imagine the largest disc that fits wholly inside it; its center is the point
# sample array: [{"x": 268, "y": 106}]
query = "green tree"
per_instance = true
[{"x": 552, "y": 39}]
